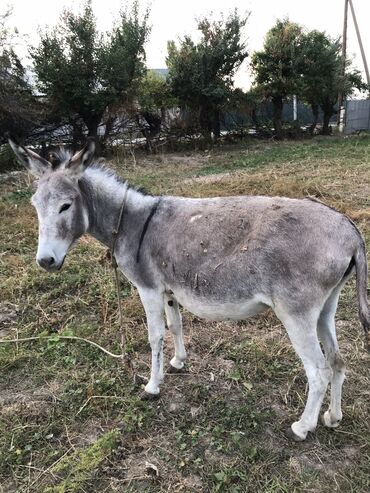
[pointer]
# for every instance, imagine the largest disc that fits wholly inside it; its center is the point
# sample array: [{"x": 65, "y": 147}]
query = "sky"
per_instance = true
[{"x": 172, "y": 19}]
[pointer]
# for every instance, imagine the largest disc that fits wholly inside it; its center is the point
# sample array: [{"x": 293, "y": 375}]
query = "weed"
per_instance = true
[{"x": 81, "y": 466}]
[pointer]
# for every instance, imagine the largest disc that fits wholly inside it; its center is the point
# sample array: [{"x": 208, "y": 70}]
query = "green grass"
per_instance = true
[
  {"x": 81, "y": 466},
  {"x": 71, "y": 419}
]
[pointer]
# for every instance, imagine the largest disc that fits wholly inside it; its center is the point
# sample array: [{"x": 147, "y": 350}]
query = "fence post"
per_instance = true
[
  {"x": 342, "y": 119},
  {"x": 295, "y": 113}
]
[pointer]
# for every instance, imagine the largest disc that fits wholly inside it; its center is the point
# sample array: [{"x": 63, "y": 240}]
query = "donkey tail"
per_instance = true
[{"x": 361, "y": 286}]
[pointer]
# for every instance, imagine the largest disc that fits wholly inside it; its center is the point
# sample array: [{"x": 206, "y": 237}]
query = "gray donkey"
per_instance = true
[{"x": 220, "y": 258}]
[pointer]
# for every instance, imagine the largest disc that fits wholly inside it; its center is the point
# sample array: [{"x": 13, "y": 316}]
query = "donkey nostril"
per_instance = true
[{"x": 46, "y": 262}]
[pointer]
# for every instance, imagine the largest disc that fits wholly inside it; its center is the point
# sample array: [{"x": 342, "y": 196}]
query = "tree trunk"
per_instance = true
[
  {"x": 328, "y": 113},
  {"x": 315, "y": 112},
  {"x": 92, "y": 127},
  {"x": 326, "y": 129},
  {"x": 255, "y": 120},
  {"x": 327, "y": 107},
  {"x": 77, "y": 135},
  {"x": 163, "y": 116},
  {"x": 108, "y": 128},
  {"x": 154, "y": 121},
  {"x": 216, "y": 124},
  {"x": 277, "y": 102},
  {"x": 205, "y": 123},
  {"x": 92, "y": 123},
  {"x": 44, "y": 152}
]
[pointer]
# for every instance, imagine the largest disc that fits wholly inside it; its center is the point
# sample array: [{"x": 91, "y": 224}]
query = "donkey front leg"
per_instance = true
[{"x": 154, "y": 309}]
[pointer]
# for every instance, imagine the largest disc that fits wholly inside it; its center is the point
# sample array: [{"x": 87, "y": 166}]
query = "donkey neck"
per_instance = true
[{"x": 104, "y": 193}]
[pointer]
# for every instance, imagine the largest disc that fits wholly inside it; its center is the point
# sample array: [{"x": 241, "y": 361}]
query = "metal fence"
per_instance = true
[{"x": 357, "y": 115}]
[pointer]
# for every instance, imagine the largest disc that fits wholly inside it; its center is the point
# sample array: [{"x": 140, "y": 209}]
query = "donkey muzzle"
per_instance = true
[{"x": 49, "y": 263}]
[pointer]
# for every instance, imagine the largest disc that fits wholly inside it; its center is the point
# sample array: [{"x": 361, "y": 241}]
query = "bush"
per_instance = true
[{"x": 7, "y": 159}]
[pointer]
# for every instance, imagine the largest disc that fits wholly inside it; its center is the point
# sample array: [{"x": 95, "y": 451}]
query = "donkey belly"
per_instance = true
[{"x": 213, "y": 310}]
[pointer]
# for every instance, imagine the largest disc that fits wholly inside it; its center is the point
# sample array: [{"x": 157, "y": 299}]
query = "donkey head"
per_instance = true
[{"x": 60, "y": 206}]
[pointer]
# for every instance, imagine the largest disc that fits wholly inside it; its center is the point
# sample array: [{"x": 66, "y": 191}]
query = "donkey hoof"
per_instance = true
[
  {"x": 294, "y": 434},
  {"x": 173, "y": 369},
  {"x": 146, "y": 396},
  {"x": 330, "y": 421}
]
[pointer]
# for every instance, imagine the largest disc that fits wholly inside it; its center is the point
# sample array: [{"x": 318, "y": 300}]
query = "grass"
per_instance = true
[{"x": 70, "y": 417}]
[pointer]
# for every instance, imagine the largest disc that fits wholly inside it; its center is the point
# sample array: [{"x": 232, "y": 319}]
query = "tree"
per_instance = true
[
  {"x": 201, "y": 75},
  {"x": 18, "y": 108},
  {"x": 322, "y": 75},
  {"x": 84, "y": 74},
  {"x": 277, "y": 67},
  {"x": 155, "y": 93},
  {"x": 154, "y": 97}
]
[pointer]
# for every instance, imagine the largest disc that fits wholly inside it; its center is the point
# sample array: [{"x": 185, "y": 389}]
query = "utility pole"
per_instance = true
[
  {"x": 360, "y": 42},
  {"x": 341, "y": 117},
  {"x": 344, "y": 55}
]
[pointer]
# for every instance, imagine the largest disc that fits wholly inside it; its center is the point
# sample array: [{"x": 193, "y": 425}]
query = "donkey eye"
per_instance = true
[{"x": 64, "y": 208}]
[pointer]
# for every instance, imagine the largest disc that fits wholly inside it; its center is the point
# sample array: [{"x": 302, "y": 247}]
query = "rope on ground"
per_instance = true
[{"x": 57, "y": 337}]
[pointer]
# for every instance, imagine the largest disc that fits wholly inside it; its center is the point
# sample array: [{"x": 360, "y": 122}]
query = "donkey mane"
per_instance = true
[
  {"x": 61, "y": 156},
  {"x": 99, "y": 167}
]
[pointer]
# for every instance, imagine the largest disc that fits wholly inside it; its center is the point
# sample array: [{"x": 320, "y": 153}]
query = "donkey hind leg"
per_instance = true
[
  {"x": 174, "y": 323},
  {"x": 303, "y": 335},
  {"x": 154, "y": 310},
  {"x": 327, "y": 335}
]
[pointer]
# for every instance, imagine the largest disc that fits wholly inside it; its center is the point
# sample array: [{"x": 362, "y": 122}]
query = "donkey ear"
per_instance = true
[
  {"x": 35, "y": 164},
  {"x": 82, "y": 159}
]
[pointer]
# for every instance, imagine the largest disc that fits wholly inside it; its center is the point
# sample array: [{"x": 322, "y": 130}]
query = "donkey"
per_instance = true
[{"x": 220, "y": 258}]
